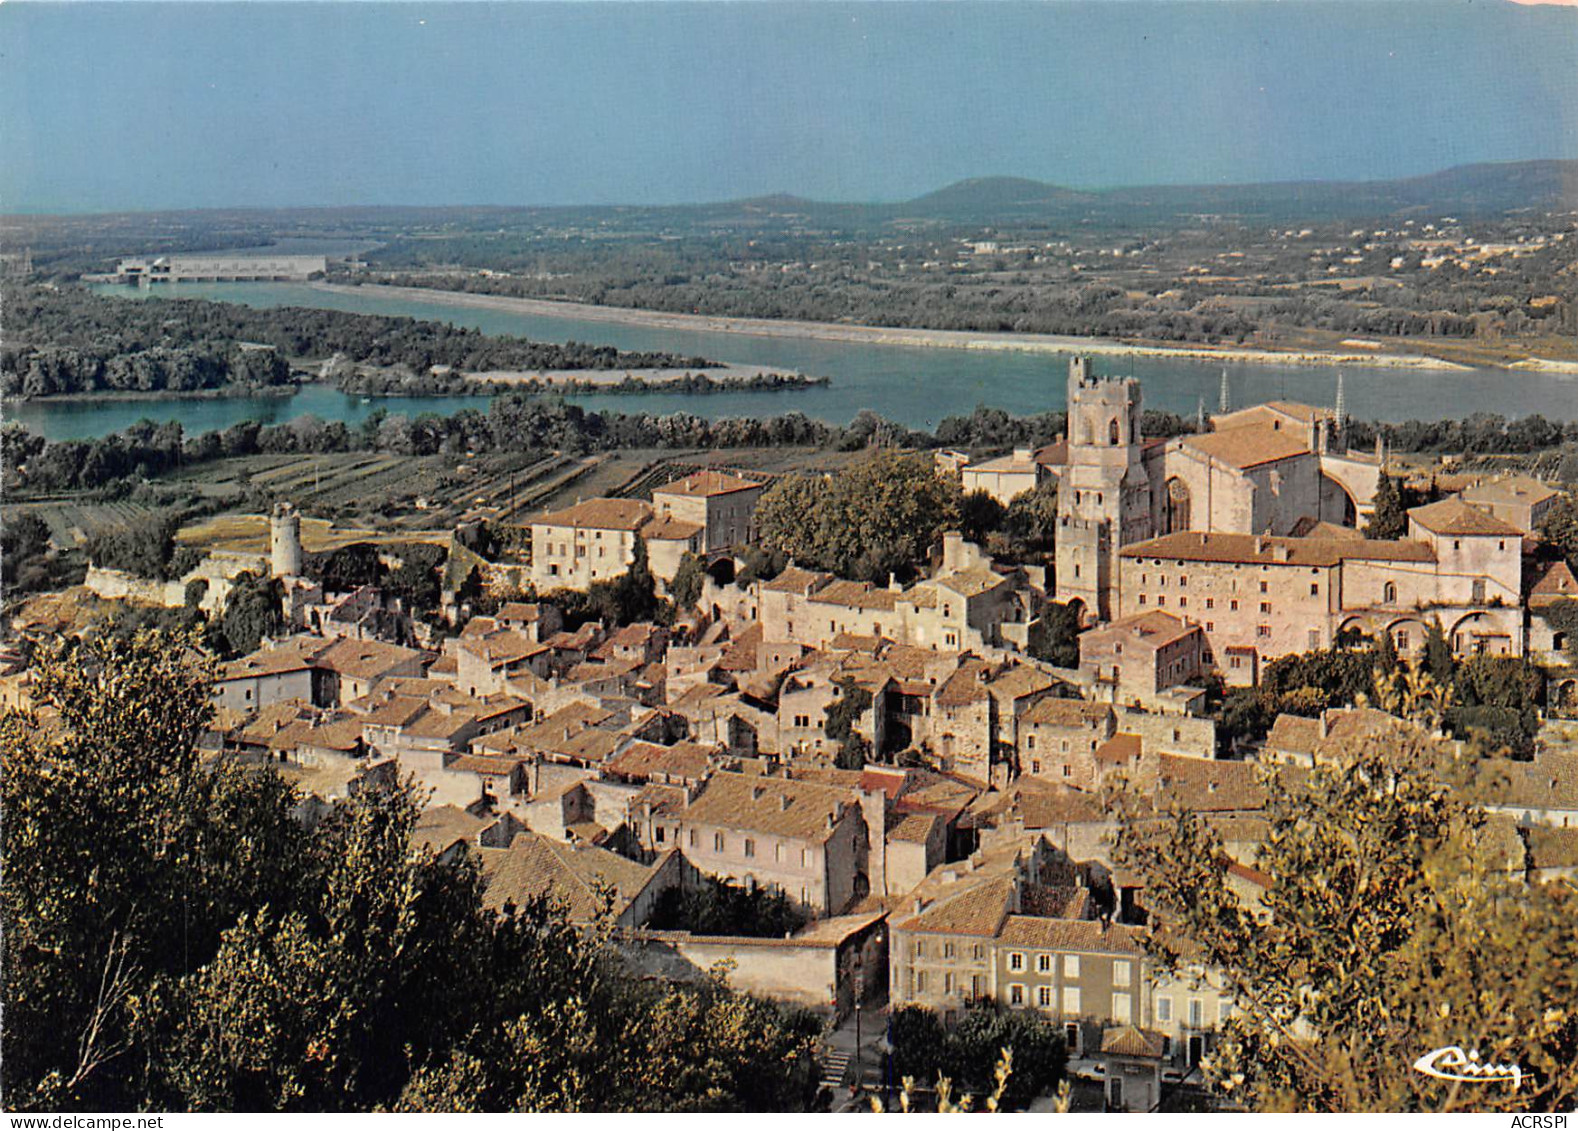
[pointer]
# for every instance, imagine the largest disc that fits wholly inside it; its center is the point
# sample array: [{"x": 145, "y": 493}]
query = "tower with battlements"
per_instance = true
[{"x": 1104, "y": 495}]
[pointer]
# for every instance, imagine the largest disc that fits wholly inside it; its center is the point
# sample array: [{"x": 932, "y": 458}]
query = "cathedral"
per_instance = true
[{"x": 1278, "y": 469}]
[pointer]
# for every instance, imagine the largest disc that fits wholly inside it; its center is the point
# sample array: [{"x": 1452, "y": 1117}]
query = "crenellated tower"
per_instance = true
[{"x": 1104, "y": 497}]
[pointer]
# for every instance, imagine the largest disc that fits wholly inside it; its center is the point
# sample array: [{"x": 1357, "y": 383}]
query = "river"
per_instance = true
[{"x": 917, "y": 386}]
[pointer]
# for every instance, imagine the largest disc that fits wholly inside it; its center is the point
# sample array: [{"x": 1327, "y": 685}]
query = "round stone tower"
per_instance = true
[{"x": 284, "y": 528}]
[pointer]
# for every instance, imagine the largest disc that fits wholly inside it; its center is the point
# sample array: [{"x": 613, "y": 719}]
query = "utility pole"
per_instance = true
[{"x": 1223, "y": 401}]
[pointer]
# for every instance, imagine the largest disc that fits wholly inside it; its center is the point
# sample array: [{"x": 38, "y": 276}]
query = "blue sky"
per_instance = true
[{"x": 128, "y": 106}]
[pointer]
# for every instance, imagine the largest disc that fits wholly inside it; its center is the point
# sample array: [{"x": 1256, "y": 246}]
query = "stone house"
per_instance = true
[
  {"x": 1520, "y": 501},
  {"x": 1138, "y": 657},
  {"x": 1059, "y": 739},
  {"x": 721, "y": 504},
  {"x": 592, "y": 541},
  {"x": 812, "y": 842}
]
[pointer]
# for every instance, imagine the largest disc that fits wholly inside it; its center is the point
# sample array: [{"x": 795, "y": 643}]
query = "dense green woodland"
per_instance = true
[
  {"x": 71, "y": 340},
  {"x": 177, "y": 938}
]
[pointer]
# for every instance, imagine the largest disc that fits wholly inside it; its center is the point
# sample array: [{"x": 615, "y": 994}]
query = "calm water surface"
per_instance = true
[{"x": 917, "y": 386}]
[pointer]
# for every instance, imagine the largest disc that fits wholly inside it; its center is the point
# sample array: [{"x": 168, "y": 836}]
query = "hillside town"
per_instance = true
[{"x": 926, "y": 802}]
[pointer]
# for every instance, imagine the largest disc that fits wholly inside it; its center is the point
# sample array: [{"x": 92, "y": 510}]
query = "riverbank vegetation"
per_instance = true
[{"x": 62, "y": 340}]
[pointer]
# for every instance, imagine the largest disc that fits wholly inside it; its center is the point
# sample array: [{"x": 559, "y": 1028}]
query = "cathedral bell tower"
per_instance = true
[{"x": 1104, "y": 495}]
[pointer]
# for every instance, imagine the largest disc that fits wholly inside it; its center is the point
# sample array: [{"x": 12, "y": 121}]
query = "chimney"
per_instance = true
[
  {"x": 784, "y": 801},
  {"x": 1260, "y": 545},
  {"x": 1279, "y": 552},
  {"x": 919, "y": 905}
]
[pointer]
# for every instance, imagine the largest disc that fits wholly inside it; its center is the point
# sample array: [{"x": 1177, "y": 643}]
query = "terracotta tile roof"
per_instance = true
[
  {"x": 1204, "y": 785},
  {"x": 965, "y": 686},
  {"x": 440, "y": 827},
  {"x": 797, "y": 810},
  {"x": 979, "y": 909},
  {"x": 502, "y": 648},
  {"x": 1067, "y": 713},
  {"x": 969, "y": 582},
  {"x": 671, "y": 529},
  {"x": 1293, "y": 734},
  {"x": 707, "y": 483},
  {"x": 1552, "y": 847},
  {"x": 796, "y": 580},
  {"x": 641, "y": 761},
  {"x": 1042, "y": 901},
  {"x": 1556, "y": 584},
  {"x": 599, "y": 514},
  {"x": 1250, "y": 445},
  {"x": 534, "y": 866},
  {"x": 365, "y": 659},
  {"x": 1054, "y": 454},
  {"x": 1126, "y": 1040},
  {"x": 485, "y": 765},
  {"x": 1120, "y": 748},
  {"x": 1454, "y": 516},
  {"x": 1155, "y": 629},
  {"x": 1522, "y": 490},
  {"x": 267, "y": 662},
  {"x": 855, "y": 595},
  {"x": 1550, "y": 782},
  {"x": 1196, "y": 546},
  {"x": 524, "y": 612},
  {"x": 1087, "y": 936},
  {"x": 914, "y": 827},
  {"x": 1039, "y": 805}
]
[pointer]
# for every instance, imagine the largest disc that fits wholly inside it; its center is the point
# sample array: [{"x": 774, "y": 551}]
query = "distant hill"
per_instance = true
[
  {"x": 1471, "y": 189},
  {"x": 995, "y": 194}
]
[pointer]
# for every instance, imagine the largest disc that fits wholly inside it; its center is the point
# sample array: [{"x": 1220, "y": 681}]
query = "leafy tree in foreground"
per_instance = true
[
  {"x": 880, "y": 516},
  {"x": 1391, "y": 928},
  {"x": 176, "y": 938}
]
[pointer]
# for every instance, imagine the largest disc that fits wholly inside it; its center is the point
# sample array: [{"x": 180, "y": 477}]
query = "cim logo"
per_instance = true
[{"x": 1453, "y": 1063}]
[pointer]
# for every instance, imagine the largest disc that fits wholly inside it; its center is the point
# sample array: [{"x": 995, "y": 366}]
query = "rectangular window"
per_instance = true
[
  {"x": 1122, "y": 1007},
  {"x": 1232, "y": 606},
  {"x": 1043, "y": 964},
  {"x": 978, "y": 952},
  {"x": 1142, "y": 598},
  {"x": 920, "y": 948},
  {"x": 1016, "y": 961},
  {"x": 1016, "y": 995},
  {"x": 1263, "y": 630},
  {"x": 920, "y": 981},
  {"x": 1183, "y": 581},
  {"x": 717, "y": 842},
  {"x": 1122, "y": 973},
  {"x": 1196, "y": 1012},
  {"x": 975, "y": 985},
  {"x": 947, "y": 983},
  {"x": 947, "y": 950},
  {"x": 1314, "y": 639},
  {"x": 1044, "y": 997},
  {"x": 693, "y": 838},
  {"x": 1264, "y": 588},
  {"x": 1164, "y": 1010},
  {"x": 750, "y": 847},
  {"x": 1210, "y": 602},
  {"x": 1071, "y": 1004},
  {"x": 1183, "y": 602},
  {"x": 1071, "y": 966},
  {"x": 1161, "y": 600},
  {"x": 1314, "y": 589}
]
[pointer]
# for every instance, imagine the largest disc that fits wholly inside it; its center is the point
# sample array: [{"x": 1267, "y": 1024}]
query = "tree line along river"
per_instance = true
[{"x": 917, "y": 386}]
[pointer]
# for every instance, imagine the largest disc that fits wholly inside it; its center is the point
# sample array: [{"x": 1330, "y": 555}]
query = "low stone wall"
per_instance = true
[{"x": 800, "y": 973}]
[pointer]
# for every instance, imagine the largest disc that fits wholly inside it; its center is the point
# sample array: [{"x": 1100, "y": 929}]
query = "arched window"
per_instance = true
[
  {"x": 1389, "y": 594},
  {"x": 1112, "y": 431}
]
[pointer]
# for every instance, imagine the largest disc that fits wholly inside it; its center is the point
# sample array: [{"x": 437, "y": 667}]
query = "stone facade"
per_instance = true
[{"x": 591, "y": 541}]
